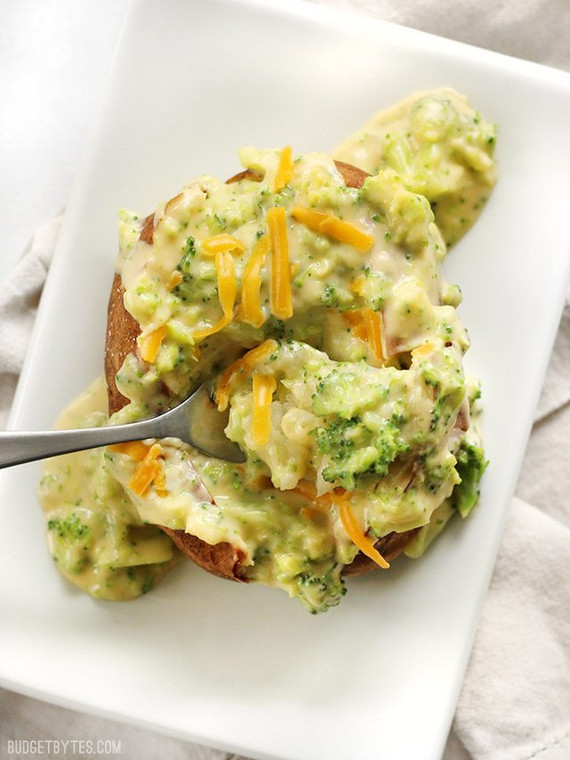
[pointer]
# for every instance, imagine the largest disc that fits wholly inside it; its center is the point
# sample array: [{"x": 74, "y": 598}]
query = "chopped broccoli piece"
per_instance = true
[
  {"x": 71, "y": 539},
  {"x": 408, "y": 214},
  {"x": 471, "y": 464},
  {"x": 320, "y": 587},
  {"x": 70, "y": 529},
  {"x": 346, "y": 394},
  {"x": 329, "y": 296},
  {"x": 353, "y": 449}
]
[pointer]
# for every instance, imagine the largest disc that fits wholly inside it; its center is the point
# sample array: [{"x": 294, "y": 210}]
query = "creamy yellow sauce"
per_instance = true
[
  {"x": 382, "y": 423},
  {"x": 94, "y": 533},
  {"x": 440, "y": 147}
]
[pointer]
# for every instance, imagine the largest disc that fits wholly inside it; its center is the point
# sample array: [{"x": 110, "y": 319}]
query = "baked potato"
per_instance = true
[
  {"x": 221, "y": 559},
  {"x": 311, "y": 293}
]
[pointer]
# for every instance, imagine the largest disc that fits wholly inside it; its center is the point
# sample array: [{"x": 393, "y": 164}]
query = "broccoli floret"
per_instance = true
[
  {"x": 70, "y": 529},
  {"x": 353, "y": 450},
  {"x": 70, "y": 539},
  {"x": 471, "y": 464},
  {"x": 445, "y": 153},
  {"x": 320, "y": 588},
  {"x": 345, "y": 394},
  {"x": 329, "y": 296},
  {"x": 408, "y": 214}
]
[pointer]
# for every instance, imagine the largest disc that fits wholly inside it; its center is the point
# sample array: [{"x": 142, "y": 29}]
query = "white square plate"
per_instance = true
[{"x": 244, "y": 668}]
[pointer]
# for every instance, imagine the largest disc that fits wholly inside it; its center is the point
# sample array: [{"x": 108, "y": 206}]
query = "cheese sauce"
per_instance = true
[
  {"x": 440, "y": 147},
  {"x": 357, "y": 422},
  {"x": 94, "y": 533}
]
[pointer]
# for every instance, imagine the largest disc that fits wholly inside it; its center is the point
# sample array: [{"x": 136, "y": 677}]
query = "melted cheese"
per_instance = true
[
  {"x": 251, "y": 310},
  {"x": 284, "y": 169},
  {"x": 263, "y": 390},
  {"x": 281, "y": 302},
  {"x": 356, "y": 534},
  {"x": 243, "y": 365},
  {"x": 328, "y": 224},
  {"x": 279, "y": 264}
]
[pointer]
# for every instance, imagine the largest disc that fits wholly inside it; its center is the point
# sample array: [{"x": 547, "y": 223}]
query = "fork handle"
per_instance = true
[{"x": 19, "y": 447}]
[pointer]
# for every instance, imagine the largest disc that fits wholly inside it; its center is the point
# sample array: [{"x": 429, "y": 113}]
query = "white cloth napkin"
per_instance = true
[
  {"x": 19, "y": 298},
  {"x": 515, "y": 701}
]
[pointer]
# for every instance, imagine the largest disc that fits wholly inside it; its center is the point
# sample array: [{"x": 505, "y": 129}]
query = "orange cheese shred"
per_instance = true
[
  {"x": 307, "y": 489},
  {"x": 150, "y": 344},
  {"x": 263, "y": 389},
  {"x": 357, "y": 285},
  {"x": 325, "y": 500},
  {"x": 373, "y": 322},
  {"x": 136, "y": 450},
  {"x": 424, "y": 349},
  {"x": 332, "y": 226},
  {"x": 160, "y": 483},
  {"x": 174, "y": 279},
  {"x": 147, "y": 472},
  {"x": 353, "y": 317},
  {"x": 227, "y": 291},
  {"x": 280, "y": 290},
  {"x": 356, "y": 535},
  {"x": 368, "y": 325},
  {"x": 221, "y": 243},
  {"x": 243, "y": 364},
  {"x": 250, "y": 308},
  {"x": 284, "y": 169},
  {"x": 360, "y": 329}
]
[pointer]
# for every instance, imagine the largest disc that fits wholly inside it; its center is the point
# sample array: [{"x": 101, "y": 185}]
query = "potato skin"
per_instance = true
[
  {"x": 120, "y": 340},
  {"x": 221, "y": 559}
]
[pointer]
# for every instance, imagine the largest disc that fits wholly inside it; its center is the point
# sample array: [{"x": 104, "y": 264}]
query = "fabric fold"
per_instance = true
[
  {"x": 515, "y": 701},
  {"x": 19, "y": 298}
]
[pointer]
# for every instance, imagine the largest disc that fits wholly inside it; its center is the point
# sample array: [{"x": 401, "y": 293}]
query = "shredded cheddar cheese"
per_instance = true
[
  {"x": 357, "y": 285},
  {"x": 250, "y": 307},
  {"x": 424, "y": 349},
  {"x": 355, "y": 533},
  {"x": 325, "y": 500},
  {"x": 136, "y": 450},
  {"x": 332, "y": 226},
  {"x": 227, "y": 291},
  {"x": 368, "y": 325},
  {"x": 360, "y": 329},
  {"x": 307, "y": 489},
  {"x": 353, "y": 317},
  {"x": 150, "y": 344},
  {"x": 147, "y": 472},
  {"x": 280, "y": 291},
  {"x": 174, "y": 279},
  {"x": 263, "y": 389},
  {"x": 243, "y": 364},
  {"x": 373, "y": 321},
  {"x": 284, "y": 169},
  {"x": 221, "y": 243},
  {"x": 160, "y": 483}
]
